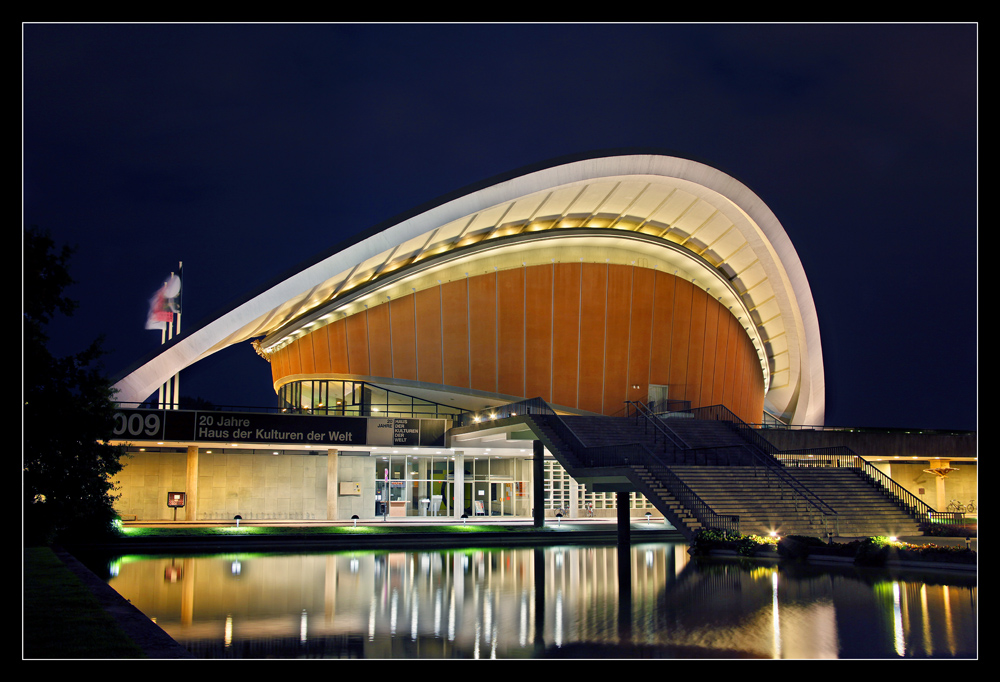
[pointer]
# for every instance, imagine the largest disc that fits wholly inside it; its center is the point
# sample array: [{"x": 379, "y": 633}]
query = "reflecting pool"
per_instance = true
[{"x": 553, "y": 602}]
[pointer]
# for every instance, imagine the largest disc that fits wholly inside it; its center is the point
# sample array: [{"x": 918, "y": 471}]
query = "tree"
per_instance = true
[{"x": 68, "y": 412}]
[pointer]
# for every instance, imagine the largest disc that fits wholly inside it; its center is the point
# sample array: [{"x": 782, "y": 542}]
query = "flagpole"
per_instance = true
[
  {"x": 165, "y": 314},
  {"x": 162, "y": 392},
  {"x": 177, "y": 332}
]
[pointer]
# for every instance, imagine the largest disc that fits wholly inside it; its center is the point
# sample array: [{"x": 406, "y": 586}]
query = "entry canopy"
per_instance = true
[{"x": 703, "y": 223}]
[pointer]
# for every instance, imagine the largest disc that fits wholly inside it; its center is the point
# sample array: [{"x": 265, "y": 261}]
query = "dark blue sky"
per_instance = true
[{"x": 243, "y": 150}]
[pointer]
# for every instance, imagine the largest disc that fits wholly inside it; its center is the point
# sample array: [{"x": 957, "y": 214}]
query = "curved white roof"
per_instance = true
[{"x": 732, "y": 239}]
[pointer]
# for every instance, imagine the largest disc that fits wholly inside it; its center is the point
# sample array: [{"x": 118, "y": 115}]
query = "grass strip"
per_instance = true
[
  {"x": 230, "y": 531},
  {"x": 62, "y": 618}
]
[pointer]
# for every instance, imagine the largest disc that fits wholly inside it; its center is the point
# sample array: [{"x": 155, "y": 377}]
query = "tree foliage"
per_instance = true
[{"x": 68, "y": 412}]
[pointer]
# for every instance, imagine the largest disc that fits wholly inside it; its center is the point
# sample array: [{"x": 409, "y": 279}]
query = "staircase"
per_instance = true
[
  {"x": 862, "y": 510},
  {"x": 704, "y": 473}
]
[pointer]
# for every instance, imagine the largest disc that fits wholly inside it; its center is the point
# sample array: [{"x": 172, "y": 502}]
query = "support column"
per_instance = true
[
  {"x": 191, "y": 484},
  {"x": 624, "y": 522},
  {"x": 332, "y": 484},
  {"x": 538, "y": 483},
  {"x": 458, "y": 491},
  {"x": 574, "y": 498}
]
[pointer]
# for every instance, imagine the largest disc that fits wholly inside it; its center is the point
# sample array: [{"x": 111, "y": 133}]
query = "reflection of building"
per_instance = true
[{"x": 587, "y": 283}]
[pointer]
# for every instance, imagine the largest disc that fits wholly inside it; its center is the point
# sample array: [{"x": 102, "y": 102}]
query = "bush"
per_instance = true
[
  {"x": 800, "y": 546},
  {"x": 937, "y": 553},
  {"x": 743, "y": 544},
  {"x": 874, "y": 551},
  {"x": 948, "y": 530}
]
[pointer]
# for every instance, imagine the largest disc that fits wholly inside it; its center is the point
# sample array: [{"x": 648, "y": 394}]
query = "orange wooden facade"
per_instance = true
[{"x": 580, "y": 335}]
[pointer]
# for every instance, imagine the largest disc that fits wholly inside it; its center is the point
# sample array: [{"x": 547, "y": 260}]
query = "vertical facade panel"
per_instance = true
[
  {"x": 295, "y": 358},
  {"x": 279, "y": 365},
  {"x": 455, "y": 333},
  {"x": 338, "y": 347},
  {"x": 566, "y": 341},
  {"x": 640, "y": 331},
  {"x": 404, "y": 338},
  {"x": 592, "y": 312},
  {"x": 321, "y": 349},
  {"x": 721, "y": 355},
  {"x": 740, "y": 389},
  {"x": 713, "y": 312},
  {"x": 616, "y": 344},
  {"x": 696, "y": 344},
  {"x": 735, "y": 334},
  {"x": 510, "y": 331},
  {"x": 663, "y": 315},
  {"x": 357, "y": 343},
  {"x": 539, "y": 334},
  {"x": 483, "y": 332},
  {"x": 679, "y": 338},
  {"x": 428, "y": 329},
  {"x": 380, "y": 341}
]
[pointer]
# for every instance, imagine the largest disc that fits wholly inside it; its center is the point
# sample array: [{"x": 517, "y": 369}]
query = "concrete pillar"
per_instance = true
[
  {"x": 332, "y": 484},
  {"x": 191, "y": 484},
  {"x": 538, "y": 483},
  {"x": 624, "y": 521},
  {"x": 574, "y": 499},
  {"x": 459, "y": 488}
]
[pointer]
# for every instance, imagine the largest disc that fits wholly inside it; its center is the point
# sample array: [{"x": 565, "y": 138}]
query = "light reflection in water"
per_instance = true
[{"x": 527, "y": 603}]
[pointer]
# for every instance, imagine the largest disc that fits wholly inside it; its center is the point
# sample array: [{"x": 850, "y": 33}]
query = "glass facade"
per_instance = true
[
  {"x": 426, "y": 485},
  {"x": 492, "y": 486},
  {"x": 356, "y": 399},
  {"x": 412, "y": 485}
]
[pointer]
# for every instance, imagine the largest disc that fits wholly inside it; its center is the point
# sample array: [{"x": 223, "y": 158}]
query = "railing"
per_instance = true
[
  {"x": 778, "y": 426},
  {"x": 761, "y": 454},
  {"x": 649, "y": 421},
  {"x": 521, "y": 407},
  {"x": 348, "y": 411},
  {"x": 845, "y": 457},
  {"x": 190, "y": 407}
]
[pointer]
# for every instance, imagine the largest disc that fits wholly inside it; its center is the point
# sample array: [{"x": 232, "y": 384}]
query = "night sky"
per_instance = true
[{"x": 243, "y": 150}]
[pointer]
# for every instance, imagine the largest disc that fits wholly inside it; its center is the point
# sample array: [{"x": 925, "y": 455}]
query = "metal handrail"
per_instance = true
[
  {"x": 903, "y": 497},
  {"x": 642, "y": 411},
  {"x": 761, "y": 451}
]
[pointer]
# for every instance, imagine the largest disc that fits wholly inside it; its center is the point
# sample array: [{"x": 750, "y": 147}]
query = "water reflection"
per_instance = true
[{"x": 552, "y": 602}]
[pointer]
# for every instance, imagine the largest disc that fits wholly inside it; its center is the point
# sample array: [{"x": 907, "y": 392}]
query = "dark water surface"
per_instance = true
[{"x": 553, "y": 602}]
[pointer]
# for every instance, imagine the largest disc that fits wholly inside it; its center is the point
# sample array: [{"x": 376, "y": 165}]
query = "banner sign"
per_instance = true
[{"x": 291, "y": 429}]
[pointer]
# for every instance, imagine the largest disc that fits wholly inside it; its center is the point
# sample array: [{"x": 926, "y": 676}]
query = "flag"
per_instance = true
[{"x": 164, "y": 304}]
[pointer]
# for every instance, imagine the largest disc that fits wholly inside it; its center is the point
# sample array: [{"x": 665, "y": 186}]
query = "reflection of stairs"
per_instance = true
[{"x": 789, "y": 500}]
